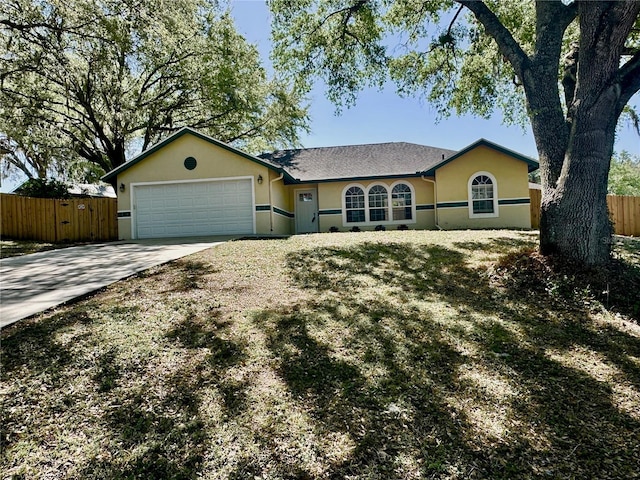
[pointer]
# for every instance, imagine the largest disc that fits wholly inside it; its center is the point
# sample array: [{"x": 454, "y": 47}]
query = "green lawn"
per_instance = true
[{"x": 381, "y": 355}]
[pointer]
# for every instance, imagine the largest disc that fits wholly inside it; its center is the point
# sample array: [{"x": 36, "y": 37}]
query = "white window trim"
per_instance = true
[
  {"x": 344, "y": 205},
  {"x": 389, "y": 188},
  {"x": 368, "y": 207},
  {"x": 413, "y": 203},
  {"x": 495, "y": 212}
]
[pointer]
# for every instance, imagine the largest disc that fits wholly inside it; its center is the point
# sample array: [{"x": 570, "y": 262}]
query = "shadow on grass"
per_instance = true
[
  {"x": 629, "y": 246},
  {"x": 501, "y": 244},
  {"x": 188, "y": 274},
  {"x": 404, "y": 361},
  {"x": 31, "y": 344},
  {"x": 149, "y": 415},
  {"x": 431, "y": 370}
]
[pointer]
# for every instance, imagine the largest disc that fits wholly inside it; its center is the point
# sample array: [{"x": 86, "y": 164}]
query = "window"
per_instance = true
[
  {"x": 401, "y": 202},
  {"x": 378, "y": 203},
  {"x": 483, "y": 196},
  {"x": 354, "y": 205}
]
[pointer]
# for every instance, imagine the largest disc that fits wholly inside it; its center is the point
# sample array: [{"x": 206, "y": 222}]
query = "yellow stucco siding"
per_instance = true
[
  {"x": 511, "y": 184},
  {"x": 124, "y": 228},
  {"x": 330, "y": 193},
  {"x": 511, "y": 216},
  {"x": 275, "y": 202},
  {"x": 282, "y": 220},
  {"x": 511, "y": 175},
  {"x": 167, "y": 165}
]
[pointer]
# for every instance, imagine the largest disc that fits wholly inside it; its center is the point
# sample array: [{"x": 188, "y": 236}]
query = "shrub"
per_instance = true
[
  {"x": 334, "y": 229},
  {"x": 355, "y": 229},
  {"x": 403, "y": 227},
  {"x": 380, "y": 228},
  {"x": 43, "y": 188}
]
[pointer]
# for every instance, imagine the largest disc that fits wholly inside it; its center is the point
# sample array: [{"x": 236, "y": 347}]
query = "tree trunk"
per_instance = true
[{"x": 574, "y": 220}]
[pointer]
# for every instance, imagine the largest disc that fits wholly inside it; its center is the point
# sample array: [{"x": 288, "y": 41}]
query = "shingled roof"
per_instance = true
[
  {"x": 358, "y": 161},
  {"x": 350, "y": 162}
]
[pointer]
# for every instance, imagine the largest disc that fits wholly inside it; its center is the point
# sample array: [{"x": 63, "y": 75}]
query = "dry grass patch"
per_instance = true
[
  {"x": 16, "y": 248},
  {"x": 366, "y": 355},
  {"x": 13, "y": 248}
]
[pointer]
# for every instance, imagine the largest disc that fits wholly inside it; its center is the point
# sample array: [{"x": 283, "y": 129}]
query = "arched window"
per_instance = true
[
  {"x": 401, "y": 202},
  {"x": 378, "y": 204},
  {"x": 354, "y": 204},
  {"x": 483, "y": 195}
]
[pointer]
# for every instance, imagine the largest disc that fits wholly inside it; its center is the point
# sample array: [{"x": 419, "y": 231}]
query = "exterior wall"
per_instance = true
[
  {"x": 275, "y": 202},
  {"x": 331, "y": 205},
  {"x": 282, "y": 221},
  {"x": 512, "y": 190},
  {"x": 213, "y": 162}
]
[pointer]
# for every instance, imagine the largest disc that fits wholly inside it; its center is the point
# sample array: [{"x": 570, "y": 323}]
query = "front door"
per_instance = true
[{"x": 307, "y": 211}]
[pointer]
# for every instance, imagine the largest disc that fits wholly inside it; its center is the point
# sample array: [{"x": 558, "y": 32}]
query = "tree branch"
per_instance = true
[
  {"x": 348, "y": 10},
  {"x": 507, "y": 45},
  {"x": 629, "y": 79},
  {"x": 453, "y": 20}
]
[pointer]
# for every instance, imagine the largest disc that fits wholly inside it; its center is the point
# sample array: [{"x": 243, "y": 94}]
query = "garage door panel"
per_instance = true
[{"x": 194, "y": 209}]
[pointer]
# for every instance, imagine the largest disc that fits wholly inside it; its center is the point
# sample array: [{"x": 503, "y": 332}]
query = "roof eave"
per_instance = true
[
  {"x": 531, "y": 163},
  {"x": 359, "y": 178}
]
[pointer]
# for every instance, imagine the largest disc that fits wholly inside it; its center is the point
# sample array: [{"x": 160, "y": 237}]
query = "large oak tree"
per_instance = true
[
  {"x": 571, "y": 67},
  {"x": 82, "y": 82}
]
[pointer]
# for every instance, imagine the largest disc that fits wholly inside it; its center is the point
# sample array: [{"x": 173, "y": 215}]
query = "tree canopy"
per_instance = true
[
  {"x": 568, "y": 67},
  {"x": 82, "y": 82},
  {"x": 438, "y": 50}
]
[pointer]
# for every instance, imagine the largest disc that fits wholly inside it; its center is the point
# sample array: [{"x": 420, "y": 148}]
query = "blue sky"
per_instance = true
[{"x": 385, "y": 117}]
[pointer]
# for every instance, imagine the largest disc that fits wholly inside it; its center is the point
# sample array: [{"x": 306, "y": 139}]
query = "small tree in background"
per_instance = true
[
  {"x": 43, "y": 188},
  {"x": 624, "y": 176}
]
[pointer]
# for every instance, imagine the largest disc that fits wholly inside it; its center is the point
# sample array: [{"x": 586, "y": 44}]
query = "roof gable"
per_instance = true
[
  {"x": 184, "y": 131},
  {"x": 531, "y": 163}
]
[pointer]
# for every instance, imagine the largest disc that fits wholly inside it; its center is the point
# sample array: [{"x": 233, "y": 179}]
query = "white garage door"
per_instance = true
[{"x": 222, "y": 207}]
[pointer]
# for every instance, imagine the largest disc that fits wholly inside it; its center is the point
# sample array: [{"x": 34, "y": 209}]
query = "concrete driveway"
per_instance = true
[{"x": 30, "y": 284}]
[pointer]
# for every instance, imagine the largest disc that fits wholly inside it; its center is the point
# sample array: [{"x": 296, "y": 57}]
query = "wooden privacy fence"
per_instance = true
[
  {"x": 536, "y": 199},
  {"x": 623, "y": 210},
  {"x": 51, "y": 220}
]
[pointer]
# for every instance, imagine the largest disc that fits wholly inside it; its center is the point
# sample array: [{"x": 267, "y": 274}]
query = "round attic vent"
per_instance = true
[{"x": 190, "y": 163}]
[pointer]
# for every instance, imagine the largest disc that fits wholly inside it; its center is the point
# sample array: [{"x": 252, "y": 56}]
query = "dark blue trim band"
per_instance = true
[
  {"x": 515, "y": 201},
  {"x": 330, "y": 212},
  {"x": 284, "y": 213},
  {"x": 453, "y": 204},
  {"x": 124, "y": 214},
  {"x": 425, "y": 207},
  {"x": 263, "y": 208}
]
